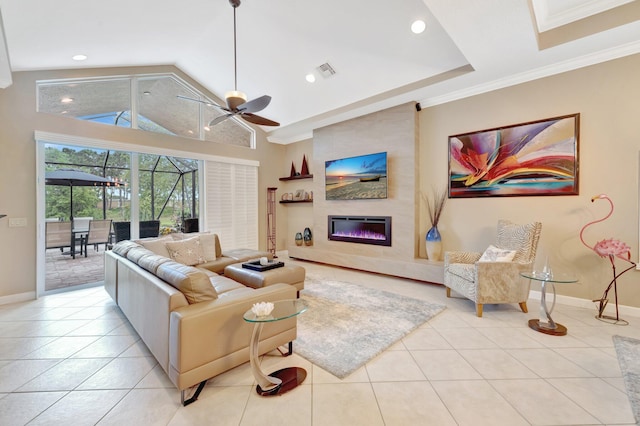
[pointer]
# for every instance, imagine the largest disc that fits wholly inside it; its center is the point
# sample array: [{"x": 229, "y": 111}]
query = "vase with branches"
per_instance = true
[{"x": 433, "y": 240}]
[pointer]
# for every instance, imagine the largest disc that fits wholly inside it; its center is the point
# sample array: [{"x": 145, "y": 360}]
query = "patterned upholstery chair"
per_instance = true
[{"x": 487, "y": 280}]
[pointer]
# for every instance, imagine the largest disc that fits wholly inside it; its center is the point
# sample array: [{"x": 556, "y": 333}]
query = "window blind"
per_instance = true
[{"x": 232, "y": 203}]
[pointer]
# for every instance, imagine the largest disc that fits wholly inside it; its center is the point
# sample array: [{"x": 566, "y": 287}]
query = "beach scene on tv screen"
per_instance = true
[{"x": 354, "y": 178}]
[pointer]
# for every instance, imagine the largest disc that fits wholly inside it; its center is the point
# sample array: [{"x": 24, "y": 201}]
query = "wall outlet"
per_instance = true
[{"x": 17, "y": 222}]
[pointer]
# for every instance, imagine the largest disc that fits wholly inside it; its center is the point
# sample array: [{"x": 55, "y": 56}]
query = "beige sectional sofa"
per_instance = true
[{"x": 190, "y": 317}]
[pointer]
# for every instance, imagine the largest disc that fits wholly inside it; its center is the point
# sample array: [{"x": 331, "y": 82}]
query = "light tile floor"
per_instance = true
[{"x": 73, "y": 359}]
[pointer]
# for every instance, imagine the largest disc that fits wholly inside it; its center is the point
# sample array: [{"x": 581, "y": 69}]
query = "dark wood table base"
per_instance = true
[
  {"x": 291, "y": 377},
  {"x": 560, "y": 329}
]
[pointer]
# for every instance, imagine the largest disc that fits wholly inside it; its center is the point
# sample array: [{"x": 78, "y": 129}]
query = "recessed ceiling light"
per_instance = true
[
  {"x": 146, "y": 93},
  {"x": 418, "y": 26},
  {"x": 207, "y": 128},
  {"x": 66, "y": 100},
  {"x": 310, "y": 78},
  {"x": 79, "y": 57}
]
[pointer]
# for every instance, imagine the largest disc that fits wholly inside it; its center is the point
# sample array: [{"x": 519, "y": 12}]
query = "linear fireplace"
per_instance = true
[{"x": 361, "y": 229}]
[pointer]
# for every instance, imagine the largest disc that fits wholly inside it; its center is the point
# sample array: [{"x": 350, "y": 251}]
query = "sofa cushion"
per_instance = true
[
  {"x": 210, "y": 243},
  {"x": 224, "y": 284},
  {"x": 123, "y": 247},
  {"x": 156, "y": 245},
  {"x": 151, "y": 262},
  {"x": 243, "y": 255},
  {"x": 136, "y": 253},
  {"x": 193, "y": 283},
  {"x": 188, "y": 252},
  {"x": 210, "y": 246}
]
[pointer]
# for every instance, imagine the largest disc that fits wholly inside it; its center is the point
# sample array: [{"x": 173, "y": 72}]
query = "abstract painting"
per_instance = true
[{"x": 535, "y": 158}]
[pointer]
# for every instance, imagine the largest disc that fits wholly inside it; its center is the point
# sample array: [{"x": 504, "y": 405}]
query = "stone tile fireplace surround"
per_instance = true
[{"x": 396, "y": 132}]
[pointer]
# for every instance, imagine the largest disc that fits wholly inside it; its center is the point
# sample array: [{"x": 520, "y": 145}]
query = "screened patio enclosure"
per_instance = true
[
  {"x": 168, "y": 186},
  {"x": 167, "y": 192}
]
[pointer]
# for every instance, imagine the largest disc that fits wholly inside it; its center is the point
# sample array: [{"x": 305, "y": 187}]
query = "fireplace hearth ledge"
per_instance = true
[{"x": 415, "y": 269}]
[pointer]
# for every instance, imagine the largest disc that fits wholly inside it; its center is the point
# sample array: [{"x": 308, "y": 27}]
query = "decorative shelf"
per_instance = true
[
  {"x": 297, "y": 177},
  {"x": 295, "y": 201}
]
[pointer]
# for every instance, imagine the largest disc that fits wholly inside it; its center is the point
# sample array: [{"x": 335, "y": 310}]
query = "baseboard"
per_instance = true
[
  {"x": 20, "y": 297},
  {"x": 588, "y": 304}
]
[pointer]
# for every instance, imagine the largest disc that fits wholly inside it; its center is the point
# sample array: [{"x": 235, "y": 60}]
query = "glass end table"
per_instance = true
[
  {"x": 545, "y": 324},
  {"x": 283, "y": 380}
]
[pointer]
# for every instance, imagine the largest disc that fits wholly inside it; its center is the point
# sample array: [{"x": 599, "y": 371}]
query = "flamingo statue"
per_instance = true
[{"x": 610, "y": 248}]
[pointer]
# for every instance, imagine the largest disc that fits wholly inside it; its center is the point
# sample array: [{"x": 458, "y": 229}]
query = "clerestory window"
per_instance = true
[{"x": 145, "y": 102}]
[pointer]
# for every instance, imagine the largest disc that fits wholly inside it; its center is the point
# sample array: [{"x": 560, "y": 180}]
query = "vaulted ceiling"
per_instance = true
[{"x": 468, "y": 47}]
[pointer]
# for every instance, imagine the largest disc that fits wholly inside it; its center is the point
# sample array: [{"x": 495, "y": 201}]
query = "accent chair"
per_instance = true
[{"x": 494, "y": 276}]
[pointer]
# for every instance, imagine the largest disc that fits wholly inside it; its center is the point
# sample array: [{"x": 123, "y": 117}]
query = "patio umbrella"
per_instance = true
[{"x": 71, "y": 178}]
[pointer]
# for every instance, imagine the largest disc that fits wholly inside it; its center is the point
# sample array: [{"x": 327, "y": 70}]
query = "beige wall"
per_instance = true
[
  {"x": 19, "y": 120},
  {"x": 608, "y": 98}
]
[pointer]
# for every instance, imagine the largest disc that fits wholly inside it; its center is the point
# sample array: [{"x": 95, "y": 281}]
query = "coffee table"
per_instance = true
[
  {"x": 545, "y": 324},
  {"x": 283, "y": 380}
]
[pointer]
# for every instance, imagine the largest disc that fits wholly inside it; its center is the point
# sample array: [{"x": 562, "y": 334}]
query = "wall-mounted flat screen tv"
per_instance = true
[{"x": 356, "y": 178}]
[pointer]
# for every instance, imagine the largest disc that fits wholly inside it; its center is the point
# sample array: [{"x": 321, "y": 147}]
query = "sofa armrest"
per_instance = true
[
  {"x": 500, "y": 282},
  {"x": 461, "y": 257},
  {"x": 206, "y": 331}
]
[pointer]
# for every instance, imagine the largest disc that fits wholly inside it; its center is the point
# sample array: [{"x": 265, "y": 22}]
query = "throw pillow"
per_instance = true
[
  {"x": 495, "y": 254},
  {"x": 156, "y": 245},
  {"x": 188, "y": 252},
  {"x": 208, "y": 243}
]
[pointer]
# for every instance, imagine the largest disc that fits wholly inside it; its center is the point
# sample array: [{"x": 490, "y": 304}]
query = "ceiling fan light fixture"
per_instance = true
[{"x": 235, "y": 98}]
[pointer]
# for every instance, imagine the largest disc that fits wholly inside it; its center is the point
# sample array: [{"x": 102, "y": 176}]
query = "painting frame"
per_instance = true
[{"x": 536, "y": 158}]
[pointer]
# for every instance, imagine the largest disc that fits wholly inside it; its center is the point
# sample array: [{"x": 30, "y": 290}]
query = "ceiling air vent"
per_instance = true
[{"x": 326, "y": 70}]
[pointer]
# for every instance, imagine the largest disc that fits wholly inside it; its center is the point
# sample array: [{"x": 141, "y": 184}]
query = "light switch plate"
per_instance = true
[{"x": 17, "y": 222}]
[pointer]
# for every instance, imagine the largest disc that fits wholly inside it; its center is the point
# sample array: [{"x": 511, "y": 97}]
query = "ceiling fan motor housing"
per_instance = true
[{"x": 234, "y": 99}]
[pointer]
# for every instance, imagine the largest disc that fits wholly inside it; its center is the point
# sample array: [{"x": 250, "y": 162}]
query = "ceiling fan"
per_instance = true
[{"x": 237, "y": 103}]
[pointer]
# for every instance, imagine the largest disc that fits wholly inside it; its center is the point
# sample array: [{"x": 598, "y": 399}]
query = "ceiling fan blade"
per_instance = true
[
  {"x": 255, "y": 105},
  {"x": 220, "y": 119},
  {"x": 207, "y": 103},
  {"x": 256, "y": 119}
]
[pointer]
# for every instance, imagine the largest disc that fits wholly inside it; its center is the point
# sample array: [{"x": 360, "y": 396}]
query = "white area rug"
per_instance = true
[
  {"x": 628, "y": 351},
  {"x": 346, "y": 324}
]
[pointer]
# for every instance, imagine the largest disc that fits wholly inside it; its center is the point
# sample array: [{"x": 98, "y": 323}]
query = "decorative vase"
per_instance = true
[
  {"x": 308, "y": 237},
  {"x": 299, "y": 239},
  {"x": 433, "y": 242}
]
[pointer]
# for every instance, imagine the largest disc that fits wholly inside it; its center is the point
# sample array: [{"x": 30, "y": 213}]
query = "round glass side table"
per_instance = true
[
  {"x": 283, "y": 380},
  {"x": 546, "y": 324}
]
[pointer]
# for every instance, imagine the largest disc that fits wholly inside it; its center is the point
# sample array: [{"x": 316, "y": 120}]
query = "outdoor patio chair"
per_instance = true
[
  {"x": 57, "y": 235},
  {"x": 81, "y": 223},
  {"x": 122, "y": 231},
  {"x": 149, "y": 228},
  {"x": 190, "y": 225},
  {"x": 98, "y": 234}
]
